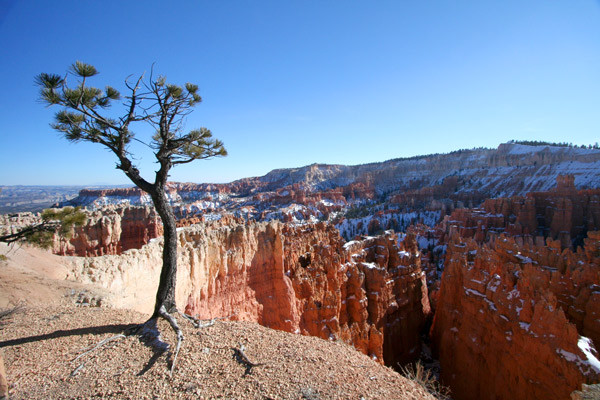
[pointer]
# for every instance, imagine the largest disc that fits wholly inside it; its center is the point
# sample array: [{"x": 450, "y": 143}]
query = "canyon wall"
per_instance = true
[
  {"x": 564, "y": 213},
  {"x": 369, "y": 293},
  {"x": 111, "y": 231},
  {"x": 517, "y": 314},
  {"x": 434, "y": 182},
  {"x": 516, "y": 319},
  {"x": 517, "y": 306}
]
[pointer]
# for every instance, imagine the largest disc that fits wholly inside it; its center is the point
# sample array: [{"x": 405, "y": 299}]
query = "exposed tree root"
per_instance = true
[
  {"x": 77, "y": 369},
  {"x": 173, "y": 322},
  {"x": 94, "y": 348},
  {"x": 199, "y": 323},
  {"x": 100, "y": 344},
  {"x": 193, "y": 320},
  {"x": 149, "y": 334}
]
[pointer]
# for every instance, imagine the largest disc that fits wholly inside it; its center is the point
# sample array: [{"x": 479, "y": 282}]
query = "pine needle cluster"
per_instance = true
[{"x": 60, "y": 222}]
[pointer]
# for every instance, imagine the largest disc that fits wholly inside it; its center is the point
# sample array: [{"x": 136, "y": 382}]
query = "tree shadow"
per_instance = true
[
  {"x": 149, "y": 336},
  {"x": 90, "y": 330},
  {"x": 155, "y": 356},
  {"x": 149, "y": 340}
]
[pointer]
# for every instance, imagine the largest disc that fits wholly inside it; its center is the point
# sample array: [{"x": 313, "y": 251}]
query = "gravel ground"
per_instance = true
[{"x": 40, "y": 344}]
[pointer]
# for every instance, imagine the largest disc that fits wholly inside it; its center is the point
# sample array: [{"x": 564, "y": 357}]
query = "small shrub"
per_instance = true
[{"x": 424, "y": 377}]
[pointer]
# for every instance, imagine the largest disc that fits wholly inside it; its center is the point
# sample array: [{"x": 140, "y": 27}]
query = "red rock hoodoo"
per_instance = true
[
  {"x": 369, "y": 293},
  {"x": 518, "y": 320},
  {"x": 564, "y": 213},
  {"x": 517, "y": 311},
  {"x": 111, "y": 231},
  {"x": 517, "y": 308}
]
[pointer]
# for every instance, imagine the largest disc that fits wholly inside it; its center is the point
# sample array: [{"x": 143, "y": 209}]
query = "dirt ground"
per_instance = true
[{"x": 56, "y": 323}]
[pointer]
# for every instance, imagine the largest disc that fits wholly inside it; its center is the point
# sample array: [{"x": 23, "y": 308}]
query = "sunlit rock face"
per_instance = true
[
  {"x": 563, "y": 213},
  {"x": 437, "y": 182},
  {"x": 111, "y": 230},
  {"x": 370, "y": 293},
  {"x": 518, "y": 319},
  {"x": 517, "y": 307}
]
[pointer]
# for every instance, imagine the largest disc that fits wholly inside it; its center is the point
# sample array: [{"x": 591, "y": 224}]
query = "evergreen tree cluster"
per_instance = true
[{"x": 560, "y": 144}]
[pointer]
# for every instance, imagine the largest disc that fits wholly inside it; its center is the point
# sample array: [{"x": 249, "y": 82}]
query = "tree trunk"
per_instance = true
[{"x": 165, "y": 295}]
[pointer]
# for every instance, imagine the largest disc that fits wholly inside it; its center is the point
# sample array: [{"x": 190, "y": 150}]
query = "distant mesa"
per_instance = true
[{"x": 466, "y": 176}]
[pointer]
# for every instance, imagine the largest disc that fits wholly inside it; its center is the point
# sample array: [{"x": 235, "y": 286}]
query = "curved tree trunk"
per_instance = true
[{"x": 165, "y": 295}]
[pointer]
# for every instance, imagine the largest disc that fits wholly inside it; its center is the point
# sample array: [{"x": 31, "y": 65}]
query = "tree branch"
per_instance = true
[
  {"x": 133, "y": 102},
  {"x": 27, "y": 231}
]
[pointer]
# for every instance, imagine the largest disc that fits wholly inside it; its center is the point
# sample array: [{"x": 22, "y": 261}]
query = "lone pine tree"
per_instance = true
[{"x": 149, "y": 101}]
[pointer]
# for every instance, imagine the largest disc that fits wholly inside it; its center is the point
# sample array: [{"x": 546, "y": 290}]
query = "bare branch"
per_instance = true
[
  {"x": 81, "y": 94},
  {"x": 142, "y": 142},
  {"x": 173, "y": 322},
  {"x": 242, "y": 358},
  {"x": 133, "y": 101}
]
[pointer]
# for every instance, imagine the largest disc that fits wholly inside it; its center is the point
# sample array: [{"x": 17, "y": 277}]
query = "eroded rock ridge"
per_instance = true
[
  {"x": 370, "y": 293},
  {"x": 517, "y": 313}
]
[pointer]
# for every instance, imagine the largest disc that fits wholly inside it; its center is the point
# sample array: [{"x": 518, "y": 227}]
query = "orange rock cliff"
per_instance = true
[
  {"x": 518, "y": 320},
  {"x": 111, "y": 231},
  {"x": 369, "y": 293},
  {"x": 517, "y": 313}
]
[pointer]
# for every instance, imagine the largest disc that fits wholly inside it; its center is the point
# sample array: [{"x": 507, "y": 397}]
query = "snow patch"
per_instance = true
[
  {"x": 525, "y": 326},
  {"x": 588, "y": 349}
]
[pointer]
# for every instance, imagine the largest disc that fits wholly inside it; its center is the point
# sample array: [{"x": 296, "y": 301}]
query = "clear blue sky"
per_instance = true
[{"x": 290, "y": 83}]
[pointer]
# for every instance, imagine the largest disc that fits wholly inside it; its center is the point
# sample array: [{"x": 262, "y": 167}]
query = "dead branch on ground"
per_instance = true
[{"x": 242, "y": 358}]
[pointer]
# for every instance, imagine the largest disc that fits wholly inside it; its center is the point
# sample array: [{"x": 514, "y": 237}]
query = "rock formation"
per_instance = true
[
  {"x": 433, "y": 182},
  {"x": 369, "y": 293},
  {"x": 111, "y": 231},
  {"x": 563, "y": 214},
  {"x": 518, "y": 320},
  {"x": 587, "y": 392},
  {"x": 517, "y": 309}
]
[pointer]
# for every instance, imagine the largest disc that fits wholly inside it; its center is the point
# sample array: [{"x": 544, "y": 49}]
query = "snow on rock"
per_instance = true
[
  {"x": 294, "y": 278},
  {"x": 585, "y": 344},
  {"x": 487, "y": 291}
]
